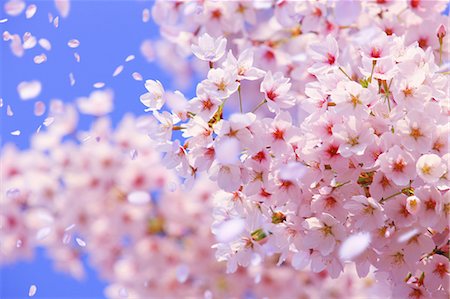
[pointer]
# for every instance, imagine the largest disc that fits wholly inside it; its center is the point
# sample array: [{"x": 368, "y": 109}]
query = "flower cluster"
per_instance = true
[
  {"x": 110, "y": 197},
  {"x": 339, "y": 157}
]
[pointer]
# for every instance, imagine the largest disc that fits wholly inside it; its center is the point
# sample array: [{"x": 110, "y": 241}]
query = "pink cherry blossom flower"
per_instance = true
[
  {"x": 323, "y": 233},
  {"x": 208, "y": 48},
  {"x": 398, "y": 166},
  {"x": 367, "y": 213},
  {"x": 153, "y": 99},
  {"x": 324, "y": 56},
  {"x": 430, "y": 168},
  {"x": 276, "y": 91}
]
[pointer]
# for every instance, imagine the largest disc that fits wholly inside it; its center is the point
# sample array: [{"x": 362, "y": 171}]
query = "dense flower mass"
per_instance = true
[
  {"x": 312, "y": 162},
  {"x": 340, "y": 141}
]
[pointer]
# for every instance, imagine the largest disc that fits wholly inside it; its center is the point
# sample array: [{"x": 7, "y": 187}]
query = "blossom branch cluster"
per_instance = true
[
  {"x": 339, "y": 158},
  {"x": 107, "y": 194}
]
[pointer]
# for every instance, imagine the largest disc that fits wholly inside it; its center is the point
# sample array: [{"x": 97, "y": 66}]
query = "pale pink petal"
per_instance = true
[
  {"x": 32, "y": 290},
  {"x": 45, "y": 43},
  {"x": 354, "y": 245},
  {"x": 99, "y": 84},
  {"x": 139, "y": 197},
  {"x": 129, "y": 58},
  {"x": 29, "y": 90},
  {"x": 15, "y": 133},
  {"x": 48, "y": 121},
  {"x": 31, "y": 10},
  {"x": 229, "y": 230},
  {"x": 77, "y": 56},
  {"x": 9, "y": 111},
  {"x": 56, "y": 22},
  {"x": 29, "y": 41},
  {"x": 14, "y": 7},
  {"x": 118, "y": 70},
  {"x": 71, "y": 79},
  {"x": 145, "y": 15},
  {"x": 63, "y": 7},
  {"x": 39, "y": 108},
  {"x": 136, "y": 76},
  {"x": 3, "y": 21},
  {"x": 73, "y": 43},
  {"x": 38, "y": 59},
  {"x": 147, "y": 50},
  {"x": 80, "y": 242}
]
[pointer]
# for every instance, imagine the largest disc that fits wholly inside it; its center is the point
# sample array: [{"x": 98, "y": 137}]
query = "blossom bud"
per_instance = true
[{"x": 441, "y": 32}]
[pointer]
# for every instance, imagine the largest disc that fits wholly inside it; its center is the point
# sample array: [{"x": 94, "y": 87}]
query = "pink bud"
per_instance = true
[{"x": 441, "y": 32}]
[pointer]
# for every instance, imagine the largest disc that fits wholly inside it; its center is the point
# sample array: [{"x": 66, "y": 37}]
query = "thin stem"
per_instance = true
[
  {"x": 211, "y": 64},
  {"x": 440, "y": 51},
  {"x": 390, "y": 196},
  {"x": 374, "y": 63},
  {"x": 259, "y": 105},
  {"x": 240, "y": 98},
  {"x": 342, "y": 70}
]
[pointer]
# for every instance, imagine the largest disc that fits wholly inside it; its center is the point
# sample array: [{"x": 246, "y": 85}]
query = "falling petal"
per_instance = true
[
  {"x": 99, "y": 84},
  {"x": 136, "y": 76},
  {"x": 63, "y": 7},
  {"x": 229, "y": 230},
  {"x": 139, "y": 197},
  {"x": 292, "y": 171},
  {"x": 31, "y": 10},
  {"x": 145, "y": 15},
  {"x": 1, "y": 102},
  {"x": 80, "y": 242},
  {"x": 66, "y": 238},
  {"x": 16, "y": 46},
  {"x": 129, "y": 58},
  {"x": 45, "y": 44},
  {"x": 71, "y": 79},
  {"x": 69, "y": 227},
  {"x": 39, "y": 108},
  {"x": 407, "y": 236},
  {"x": 43, "y": 233},
  {"x": 3, "y": 21},
  {"x": 354, "y": 245},
  {"x": 77, "y": 56},
  {"x": 6, "y": 36},
  {"x": 48, "y": 121},
  {"x": 228, "y": 151},
  {"x": 56, "y": 22},
  {"x": 15, "y": 133},
  {"x": 133, "y": 154},
  {"x": 182, "y": 273},
  {"x": 14, "y": 7},
  {"x": 118, "y": 70},
  {"x": 29, "y": 90},
  {"x": 73, "y": 43},
  {"x": 9, "y": 111},
  {"x": 40, "y": 58},
  {"x": 147, "y": 50},
  {"x": 50, "y": 17},
  {"x": 32, "y": 290},
  {"x": 29, "y": 41}
]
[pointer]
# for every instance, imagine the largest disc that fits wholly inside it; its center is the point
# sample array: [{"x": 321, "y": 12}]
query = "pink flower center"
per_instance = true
[
  {"x": 441, "y": 270},
  {"x": 331, "y": 59},
  {"x": 271, "y": 95}
]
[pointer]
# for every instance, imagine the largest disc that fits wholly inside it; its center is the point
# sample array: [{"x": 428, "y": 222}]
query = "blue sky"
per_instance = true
[{"x": 108, "y": 32}]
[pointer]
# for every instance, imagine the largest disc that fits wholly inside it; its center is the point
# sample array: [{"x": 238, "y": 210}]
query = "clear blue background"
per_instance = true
[{"x": 108, "y": 32}]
